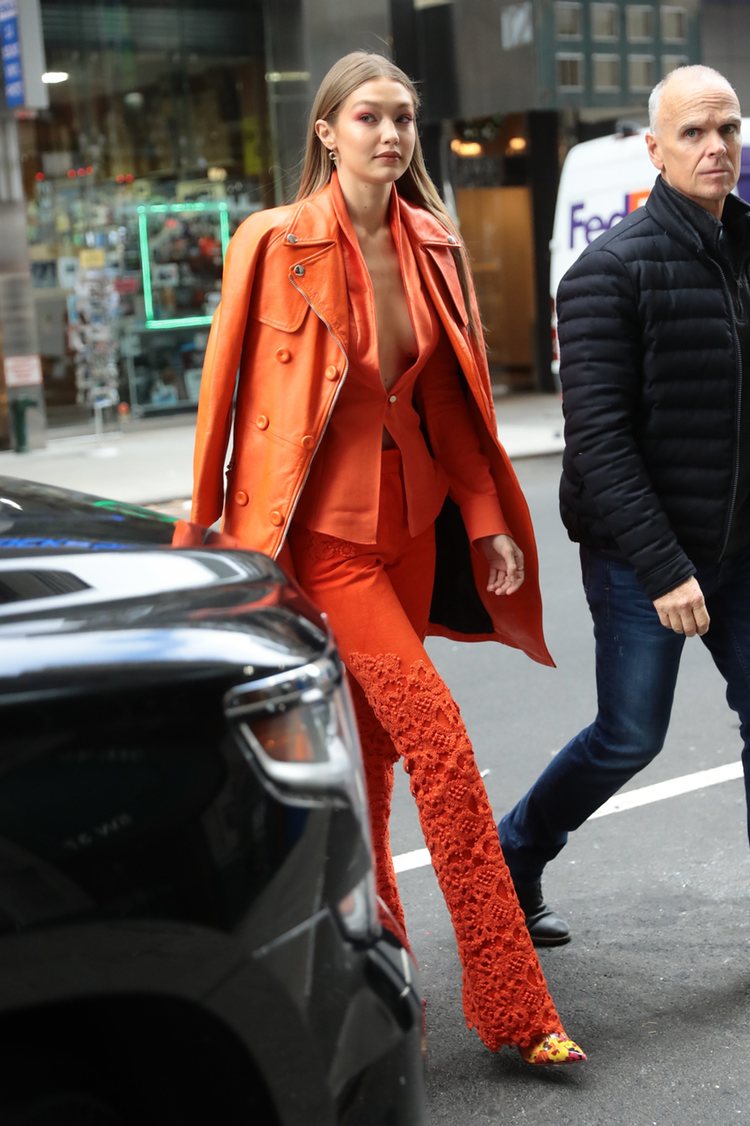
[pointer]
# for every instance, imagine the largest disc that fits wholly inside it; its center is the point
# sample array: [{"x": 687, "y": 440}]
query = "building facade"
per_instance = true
[
  {"x": 725, "y": 42},
  {"x": 163, "y": 123},
  {"x": 534, "y": 78}
]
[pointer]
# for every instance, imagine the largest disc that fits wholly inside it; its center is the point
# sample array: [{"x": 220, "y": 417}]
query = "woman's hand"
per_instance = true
[{"x": 506, "y": 563}]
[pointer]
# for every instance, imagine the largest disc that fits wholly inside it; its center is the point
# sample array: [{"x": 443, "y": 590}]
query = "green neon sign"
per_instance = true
[{"x": 219, "y": 208}]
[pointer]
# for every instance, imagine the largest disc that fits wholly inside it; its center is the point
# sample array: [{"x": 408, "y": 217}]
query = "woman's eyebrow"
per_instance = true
[{"x": 377, "y": 102}]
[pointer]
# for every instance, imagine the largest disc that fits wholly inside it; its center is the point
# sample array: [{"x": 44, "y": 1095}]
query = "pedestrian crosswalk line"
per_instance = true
[
  {"x": 669, "y": 789},
  {"x": 631, "y": 799},
  {"x": 419, "y": 858}
]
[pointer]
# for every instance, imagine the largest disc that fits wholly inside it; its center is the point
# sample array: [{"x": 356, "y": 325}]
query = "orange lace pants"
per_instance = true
[{"x": 377, "y": 600}]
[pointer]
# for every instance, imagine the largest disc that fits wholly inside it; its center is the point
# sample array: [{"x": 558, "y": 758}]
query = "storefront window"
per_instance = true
[
  {"x": 674, "y": 24},
  {"x": 640, "y": 22},
  {"x": 604, "y": 21},
  {"x": 569, "y": 71},
  {"x": 641, "y": 72},
  {"x": 153, "y": 150},
  {"x": 606, "y": 72},
  {"x": 568, "y": 23},
  {"x": 489, "y": 168}
]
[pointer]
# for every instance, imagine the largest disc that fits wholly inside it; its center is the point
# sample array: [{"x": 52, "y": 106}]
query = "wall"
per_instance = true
[
  {"x": 334, "y": 28},
  {"x": 303, "y": 39},
  {"x": 725, "y": 35},
  {"x": 495, "y": 55}
]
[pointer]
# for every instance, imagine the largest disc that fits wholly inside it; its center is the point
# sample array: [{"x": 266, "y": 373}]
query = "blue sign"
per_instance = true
[{"x": 11, "y": 50}]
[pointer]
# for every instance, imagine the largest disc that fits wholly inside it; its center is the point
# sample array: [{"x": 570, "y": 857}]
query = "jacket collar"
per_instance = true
[
  {"x": 314, "y": 232},
  {"x": 695, "y": 227},
  {"x": 314, "y": 220}
]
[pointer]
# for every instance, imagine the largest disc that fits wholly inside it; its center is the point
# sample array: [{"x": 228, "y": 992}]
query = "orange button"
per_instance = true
[
  {"x": 241, "y": 498},
  {"x": 308, "y": 441},
  {"x": 331, "y": 372},
  {"x": 261, "y": 422},
  {"x": 276, "y": 518},
  {"x": 283, "y": 355}
]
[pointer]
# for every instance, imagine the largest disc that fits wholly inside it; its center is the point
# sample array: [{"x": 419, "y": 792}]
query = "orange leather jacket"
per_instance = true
[{"x": 283, "y": 324}]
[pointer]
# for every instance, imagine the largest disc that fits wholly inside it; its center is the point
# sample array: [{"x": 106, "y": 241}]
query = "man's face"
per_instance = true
[{"x": 697, "y": 141}]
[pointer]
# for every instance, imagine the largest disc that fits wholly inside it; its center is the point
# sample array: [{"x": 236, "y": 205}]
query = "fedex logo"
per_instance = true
[{"x": 589, "y": 226}]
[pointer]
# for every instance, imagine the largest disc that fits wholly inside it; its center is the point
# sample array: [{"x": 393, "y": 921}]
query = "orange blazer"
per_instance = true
[
  {"x": 341, "y": 496},
  {"x": 283, "y": 325}
]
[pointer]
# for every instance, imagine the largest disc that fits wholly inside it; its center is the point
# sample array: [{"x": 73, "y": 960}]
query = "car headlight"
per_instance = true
[
  {"x": 298, "y": 726},
  {"x": 358, "y": 911}
]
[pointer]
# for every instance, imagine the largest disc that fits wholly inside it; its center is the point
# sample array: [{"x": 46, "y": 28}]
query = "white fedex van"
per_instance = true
[{"x": 600, "y": 183}]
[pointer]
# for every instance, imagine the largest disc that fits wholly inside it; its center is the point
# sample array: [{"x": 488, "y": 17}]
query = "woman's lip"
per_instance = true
[{"x": 388, "y": 156}]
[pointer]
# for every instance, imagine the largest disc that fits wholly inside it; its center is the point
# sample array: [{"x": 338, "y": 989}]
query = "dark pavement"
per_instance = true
[{"x": 656, "y": 982}]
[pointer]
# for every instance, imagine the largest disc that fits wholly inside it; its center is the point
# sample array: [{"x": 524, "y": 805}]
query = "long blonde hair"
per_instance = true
[{"x": 415, "y": 185}]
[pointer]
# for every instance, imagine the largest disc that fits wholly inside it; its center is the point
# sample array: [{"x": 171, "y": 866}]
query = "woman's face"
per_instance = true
[{"x": 374, "y": 133}]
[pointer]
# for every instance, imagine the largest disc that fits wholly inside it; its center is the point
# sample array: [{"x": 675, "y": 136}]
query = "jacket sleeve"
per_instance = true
[
  {"x": 220, "y": 367},
  {"x": 601, "y": 371},
  {"x": 456, "y": 448}
]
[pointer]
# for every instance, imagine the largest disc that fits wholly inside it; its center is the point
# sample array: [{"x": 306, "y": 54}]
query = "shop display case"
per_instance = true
[
  {"x": 182, "y": 248},
  {"x": 163, "y": 368},
  {"x": 125, "y": 289}
]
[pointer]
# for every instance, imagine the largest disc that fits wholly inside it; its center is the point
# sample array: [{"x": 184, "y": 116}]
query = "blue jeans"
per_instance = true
[{"x": 637, "y": 661}]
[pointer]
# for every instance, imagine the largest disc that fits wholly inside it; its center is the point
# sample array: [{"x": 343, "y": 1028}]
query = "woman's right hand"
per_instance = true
[{"x": 506, "y": 564}]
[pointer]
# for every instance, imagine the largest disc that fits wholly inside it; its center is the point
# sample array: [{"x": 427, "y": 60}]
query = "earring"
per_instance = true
[{"x": 332, "y": 156}]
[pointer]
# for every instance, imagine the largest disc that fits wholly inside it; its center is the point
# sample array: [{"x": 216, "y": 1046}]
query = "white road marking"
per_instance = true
[
  {"x": 670, "y": 789},
  {"x": 419, "y": 858},
  {"x": 659, "y": 791}
]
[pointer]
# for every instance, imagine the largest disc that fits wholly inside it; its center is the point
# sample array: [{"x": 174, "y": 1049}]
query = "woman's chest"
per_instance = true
[{"x": 395, "y": 330}]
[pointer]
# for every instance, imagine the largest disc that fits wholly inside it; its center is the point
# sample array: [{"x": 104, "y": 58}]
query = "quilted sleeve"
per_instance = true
[{"x": 600, "y": 337}]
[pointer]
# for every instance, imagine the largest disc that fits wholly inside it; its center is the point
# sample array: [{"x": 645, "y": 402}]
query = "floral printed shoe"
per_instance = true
[{"x": 553, "y": 1049}]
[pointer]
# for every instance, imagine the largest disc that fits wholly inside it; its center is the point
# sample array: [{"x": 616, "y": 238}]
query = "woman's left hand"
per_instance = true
[{"x": 506, "y": 564}]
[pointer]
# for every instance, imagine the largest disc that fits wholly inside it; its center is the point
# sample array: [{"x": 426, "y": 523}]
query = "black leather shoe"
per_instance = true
[{"x": 545, "y": 926}]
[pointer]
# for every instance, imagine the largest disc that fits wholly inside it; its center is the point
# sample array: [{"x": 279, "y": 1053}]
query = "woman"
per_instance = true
[{"x": 365, "y": 457}]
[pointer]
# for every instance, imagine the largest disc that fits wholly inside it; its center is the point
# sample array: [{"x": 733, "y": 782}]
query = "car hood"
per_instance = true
[{"x": 98, "y": 587}]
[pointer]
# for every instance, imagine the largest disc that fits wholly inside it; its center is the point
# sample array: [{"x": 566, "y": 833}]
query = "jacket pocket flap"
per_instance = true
[{"x": 280, "y": 306}]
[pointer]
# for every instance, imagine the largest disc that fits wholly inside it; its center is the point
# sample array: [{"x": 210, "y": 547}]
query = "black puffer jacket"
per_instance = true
[{"x": 651, "y": 370}]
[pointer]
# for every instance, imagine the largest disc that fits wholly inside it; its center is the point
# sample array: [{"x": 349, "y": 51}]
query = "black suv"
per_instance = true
[{"x": 189, "y": 925}]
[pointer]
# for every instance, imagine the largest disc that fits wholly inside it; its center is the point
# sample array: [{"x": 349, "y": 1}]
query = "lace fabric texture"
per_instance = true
[
  {"x": 319, "y": 546},
  {"x": 408, "y": 712},
  {"x": 379, "y": 755}
]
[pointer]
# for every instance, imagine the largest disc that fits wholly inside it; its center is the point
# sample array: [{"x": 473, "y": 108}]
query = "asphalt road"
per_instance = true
[{"x": 656, "y": 983}]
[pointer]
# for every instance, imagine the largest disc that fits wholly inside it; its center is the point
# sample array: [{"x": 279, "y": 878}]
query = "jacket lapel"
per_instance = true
[{"x": 436, "y": 251}]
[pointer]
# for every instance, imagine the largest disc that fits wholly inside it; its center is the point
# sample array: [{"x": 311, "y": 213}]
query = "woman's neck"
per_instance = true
[{"x": 367, "y": 204}]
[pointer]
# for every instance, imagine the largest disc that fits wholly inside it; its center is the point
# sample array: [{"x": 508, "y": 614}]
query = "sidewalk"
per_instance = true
[{"x": 153, "y": 464}]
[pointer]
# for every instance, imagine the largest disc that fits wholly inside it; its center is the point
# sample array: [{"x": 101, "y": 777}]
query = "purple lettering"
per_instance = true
[
  {"x": 593, "y": 225},
  {"x": 575, "y": 222}
]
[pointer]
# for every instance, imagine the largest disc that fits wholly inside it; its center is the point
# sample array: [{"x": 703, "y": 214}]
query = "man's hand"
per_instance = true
[
  {"x": 506, "y": 564},
  {"x": 684, "y": 609}
]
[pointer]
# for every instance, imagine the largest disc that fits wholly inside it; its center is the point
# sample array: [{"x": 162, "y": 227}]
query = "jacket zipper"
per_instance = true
[{"x": 738, "y": 427}]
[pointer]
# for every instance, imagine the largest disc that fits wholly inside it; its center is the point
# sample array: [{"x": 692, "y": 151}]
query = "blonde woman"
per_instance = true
[{"x": 365, "y": 457}]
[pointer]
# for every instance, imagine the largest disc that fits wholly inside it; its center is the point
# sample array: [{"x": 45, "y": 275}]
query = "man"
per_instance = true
[{"x": 654, "y": 328}]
